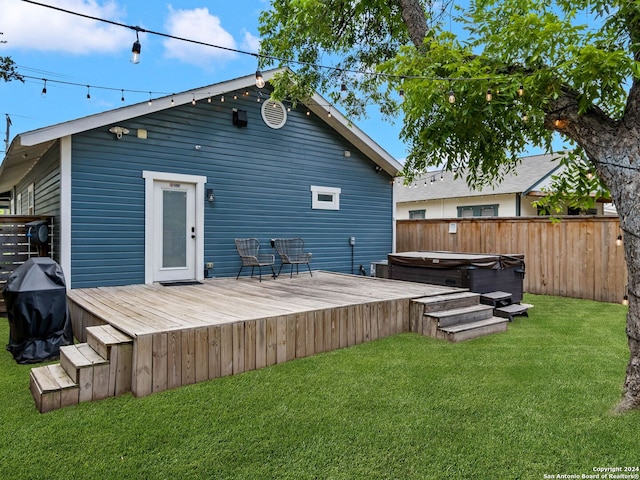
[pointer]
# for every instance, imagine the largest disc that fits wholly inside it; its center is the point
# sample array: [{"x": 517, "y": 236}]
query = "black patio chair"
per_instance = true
[
  {"x": 248, "y": 251},
  {"x": 291, "y": 253}
]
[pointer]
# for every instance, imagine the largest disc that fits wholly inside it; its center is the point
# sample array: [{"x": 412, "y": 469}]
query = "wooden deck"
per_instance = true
[{"x": 191, "y": 333}]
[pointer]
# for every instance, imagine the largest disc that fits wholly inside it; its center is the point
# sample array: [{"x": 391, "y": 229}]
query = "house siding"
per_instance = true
[
  {"x": 46, "y": 180},
  {"x": 261, "y": 178}
]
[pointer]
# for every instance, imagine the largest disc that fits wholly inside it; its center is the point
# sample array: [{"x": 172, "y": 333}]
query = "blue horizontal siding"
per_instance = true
[{"x": 261, "y": 178}]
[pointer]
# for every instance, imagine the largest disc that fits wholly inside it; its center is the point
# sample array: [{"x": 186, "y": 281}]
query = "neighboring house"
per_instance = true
[
  {"x": 157, "y": 190},
  {"x": 439, "y": 195}
]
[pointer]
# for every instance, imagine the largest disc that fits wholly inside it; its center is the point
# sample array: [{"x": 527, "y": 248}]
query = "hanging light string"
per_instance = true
[{"x": 286, "y": 61}]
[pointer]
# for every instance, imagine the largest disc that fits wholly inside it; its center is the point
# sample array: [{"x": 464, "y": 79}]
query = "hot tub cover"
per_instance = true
[
  {"x": 456, "y": 259},
  {"x": 39, "y": 321}
]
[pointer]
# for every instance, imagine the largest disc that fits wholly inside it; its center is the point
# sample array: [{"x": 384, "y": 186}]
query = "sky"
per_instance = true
[{"x": 61, "y": 47}]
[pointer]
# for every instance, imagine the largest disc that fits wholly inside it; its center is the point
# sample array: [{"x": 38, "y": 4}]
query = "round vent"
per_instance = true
[{"x": 274, "y": 114}]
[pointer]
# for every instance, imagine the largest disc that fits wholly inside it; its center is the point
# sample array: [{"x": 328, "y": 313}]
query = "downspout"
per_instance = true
[{"x": 393, "y": 215}]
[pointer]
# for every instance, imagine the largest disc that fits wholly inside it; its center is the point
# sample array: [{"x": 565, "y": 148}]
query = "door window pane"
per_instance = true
[{"x": 174, "y": 229}]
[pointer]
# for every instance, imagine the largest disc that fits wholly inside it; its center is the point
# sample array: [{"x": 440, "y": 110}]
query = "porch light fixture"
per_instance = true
[
  {"x": 259, "y": 79},
  {"x": 210, "y": 195},
  {"x": 135, "y": 50}
]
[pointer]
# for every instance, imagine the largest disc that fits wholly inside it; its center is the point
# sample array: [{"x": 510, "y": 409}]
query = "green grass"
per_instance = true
[{"x": 535, "y": 400}]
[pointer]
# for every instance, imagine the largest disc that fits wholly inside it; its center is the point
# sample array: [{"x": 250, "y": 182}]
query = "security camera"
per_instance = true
[{"x": 119, "y": 131}]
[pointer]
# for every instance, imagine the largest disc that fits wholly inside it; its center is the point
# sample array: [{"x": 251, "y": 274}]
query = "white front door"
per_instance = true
[{"x": 174, "y": 231}]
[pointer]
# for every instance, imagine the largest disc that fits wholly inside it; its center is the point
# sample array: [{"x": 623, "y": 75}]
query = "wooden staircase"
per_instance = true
[
  {"x": 456, "y": 317},
  {"x": 89, "y": 371}
]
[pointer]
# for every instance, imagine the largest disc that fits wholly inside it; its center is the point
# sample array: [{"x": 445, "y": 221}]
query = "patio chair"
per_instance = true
[
  {"x": 248, "y": 251},
  {"x": 290, "y": 252}
]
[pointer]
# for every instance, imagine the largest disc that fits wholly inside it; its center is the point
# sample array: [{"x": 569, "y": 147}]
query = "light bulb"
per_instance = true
[
  {"x": 520, "y": 90},
  {"x": 135, "y": 51},
  {"x": 452, "y": 97},
  {"x": 259, "y": 80},
  {"x": 489, "y": 95}
]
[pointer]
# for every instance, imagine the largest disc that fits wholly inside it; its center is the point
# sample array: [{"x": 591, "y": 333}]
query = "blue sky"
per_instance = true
[{"x": 63, "y": 47}]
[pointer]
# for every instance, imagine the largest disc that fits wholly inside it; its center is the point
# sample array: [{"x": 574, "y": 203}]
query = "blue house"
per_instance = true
[{"x": 158, "y": 191}]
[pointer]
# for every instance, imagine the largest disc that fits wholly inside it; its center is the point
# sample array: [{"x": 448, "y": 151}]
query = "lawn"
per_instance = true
[{"x": 534, "y": 401}]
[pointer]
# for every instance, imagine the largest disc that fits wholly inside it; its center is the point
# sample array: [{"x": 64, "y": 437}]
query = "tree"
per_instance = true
[
  {"x": 524, "y": 71},
  {"x": 8, "y": 69}
]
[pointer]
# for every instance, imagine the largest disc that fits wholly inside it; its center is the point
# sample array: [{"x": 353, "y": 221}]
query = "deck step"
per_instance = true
[
  {"x": 448, "y": 301},
  {"x": 468, "y": 331},
  {"x": 88, "y": 369},
  {"x": 116, "y": 347},
  {"x": 496, "y": 299},
  {"x": 513, "y": 310},
  {"x": 457, "y": 316},
  {"x": 52, "y": 388}
]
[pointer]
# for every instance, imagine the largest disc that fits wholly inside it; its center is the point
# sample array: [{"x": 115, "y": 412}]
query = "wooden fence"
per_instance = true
[
  {"x": 15, "y": 249},
  {"x": 576, "y": 257}
]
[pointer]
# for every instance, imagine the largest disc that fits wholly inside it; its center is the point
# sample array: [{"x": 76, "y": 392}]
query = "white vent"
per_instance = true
[{"x": 274, "y": 114}]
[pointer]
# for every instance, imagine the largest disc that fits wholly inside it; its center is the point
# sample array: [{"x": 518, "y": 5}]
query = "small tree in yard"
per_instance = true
[{"x": 525, "y": 69}]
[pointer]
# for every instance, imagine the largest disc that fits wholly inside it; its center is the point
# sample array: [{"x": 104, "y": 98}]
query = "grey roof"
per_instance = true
[
  {"x": 529, "y": 175},
  {"x": 27, "y": 148}
]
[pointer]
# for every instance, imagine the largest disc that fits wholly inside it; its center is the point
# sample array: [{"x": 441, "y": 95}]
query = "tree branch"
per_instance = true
[{"x": 415, "y": 19}]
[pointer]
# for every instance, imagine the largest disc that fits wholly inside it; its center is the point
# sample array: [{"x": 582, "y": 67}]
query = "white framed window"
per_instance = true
[
  {"x": 325, "y": 198},
  {"x": 31, "y": 199}
]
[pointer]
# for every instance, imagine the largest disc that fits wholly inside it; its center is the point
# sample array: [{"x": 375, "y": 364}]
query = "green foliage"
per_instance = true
[
  {"x": 8, "y": 69},
  {"x": 575, "y": 186},
  {"x": 583, "y": 50},
  {"x": 536, "y": 399}
]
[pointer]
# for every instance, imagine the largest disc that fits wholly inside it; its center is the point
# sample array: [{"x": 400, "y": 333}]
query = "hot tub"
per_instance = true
[{"x": 479, "y": 272}]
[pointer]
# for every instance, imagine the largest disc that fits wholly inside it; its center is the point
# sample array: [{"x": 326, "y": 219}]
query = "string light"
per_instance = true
[
  {"x": 489, "y": 95},
  {"x": 343, "y": 91},
  {"x": 44, "y": 88},
  {"x": 88, "y": 93},
  {"x": 452, "y": 97},
  {"x": 135, "y": 50},
  {"x": 122, "y": 95},
  {"x": 193, "y": 100},
  {"x": 619, "y": 240},
  {"x": 150, "y": 101},
  {"x": 259, "y": 79}
]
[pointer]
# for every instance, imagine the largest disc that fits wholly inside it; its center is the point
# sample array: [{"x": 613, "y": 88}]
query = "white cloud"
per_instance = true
[
  {"x": 197, "y": 24},
  {"x": 32, "y": 27},
  {"x": 250, "y": 42}
]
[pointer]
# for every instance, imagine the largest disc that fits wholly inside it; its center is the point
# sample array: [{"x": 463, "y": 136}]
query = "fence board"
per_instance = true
[
  {"x": 14, "y": 247},
  {"x": 576, "y": 257}
]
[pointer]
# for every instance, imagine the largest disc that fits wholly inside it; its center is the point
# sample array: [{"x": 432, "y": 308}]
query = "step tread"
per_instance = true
[
  {"x": 81, "y": 355},
  {"x": 496, "y": 296},
  {"x": 461, "y": 327},
  {"x": 446, "y": 296},
  {"x": 515, "y": 308},
  {"x": 109, "y": 335},
  {"x": 52, "y": 377},
  {"x": 459, "y": 311}
]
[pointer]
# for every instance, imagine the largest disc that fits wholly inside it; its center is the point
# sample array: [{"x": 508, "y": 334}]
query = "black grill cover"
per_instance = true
[{"x": 39, "y": 321}]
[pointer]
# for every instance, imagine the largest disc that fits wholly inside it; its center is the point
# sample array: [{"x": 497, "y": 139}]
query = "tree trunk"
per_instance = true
[{"x": 613, "y": 147}]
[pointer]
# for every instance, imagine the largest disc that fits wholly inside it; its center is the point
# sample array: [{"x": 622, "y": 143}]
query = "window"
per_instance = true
[
  {"x": 478, "y": 211},
  {"x": 414, "y": 214},
  {"x": 30, "y": 200},
  {"x": 325, "y": 198}
]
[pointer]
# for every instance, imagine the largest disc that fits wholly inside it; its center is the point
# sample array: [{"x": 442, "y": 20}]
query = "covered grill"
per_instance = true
[{"x": 39, "y": 321}]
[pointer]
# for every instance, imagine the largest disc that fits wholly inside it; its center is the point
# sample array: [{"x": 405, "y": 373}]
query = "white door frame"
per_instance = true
[{"x": 199, "y": 181}]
